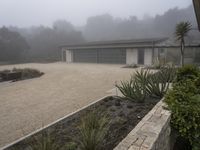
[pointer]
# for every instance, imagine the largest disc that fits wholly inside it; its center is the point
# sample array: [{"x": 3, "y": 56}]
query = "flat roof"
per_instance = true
[
  {"x": 196, "y": 4},
  {"x": 116, "y": 44},
  {"x": 133, "y": 43}
]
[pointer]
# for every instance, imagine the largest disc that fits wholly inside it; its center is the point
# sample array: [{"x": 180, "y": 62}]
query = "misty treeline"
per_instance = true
[{"x": 42, "y": 43}]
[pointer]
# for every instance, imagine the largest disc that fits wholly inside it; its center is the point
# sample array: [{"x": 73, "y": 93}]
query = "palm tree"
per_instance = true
[{"x": 181, "y": 32}]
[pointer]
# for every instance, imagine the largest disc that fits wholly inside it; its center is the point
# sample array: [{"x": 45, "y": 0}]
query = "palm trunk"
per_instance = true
[{"x": 182, "y": 52}]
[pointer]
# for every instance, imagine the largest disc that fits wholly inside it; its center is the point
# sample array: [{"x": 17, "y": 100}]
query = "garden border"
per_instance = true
[{"x": 151, "y": 133}]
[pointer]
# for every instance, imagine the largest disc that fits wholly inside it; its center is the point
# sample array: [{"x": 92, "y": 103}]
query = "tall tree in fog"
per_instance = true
[
  {"x": 106, "y": 27},
  {"x": 181, "y": 32},
  {"x": 12, "y": 45},
  {"x": 45, "y": 41}
]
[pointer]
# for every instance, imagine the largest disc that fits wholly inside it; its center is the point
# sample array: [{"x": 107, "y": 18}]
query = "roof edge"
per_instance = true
[{"x": 106, "y": 43}]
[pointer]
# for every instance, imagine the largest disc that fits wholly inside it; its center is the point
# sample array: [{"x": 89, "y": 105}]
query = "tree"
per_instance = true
[
  {"x": 12, "y": 45},
  {"x": 181, "y": 32}
]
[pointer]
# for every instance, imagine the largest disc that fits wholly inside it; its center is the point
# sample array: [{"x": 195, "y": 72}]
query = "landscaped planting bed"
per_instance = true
[
  {"x": 122, "y": 116},
  {"x": 103, "y": 125},
  {"x": 17, "y": 74}
]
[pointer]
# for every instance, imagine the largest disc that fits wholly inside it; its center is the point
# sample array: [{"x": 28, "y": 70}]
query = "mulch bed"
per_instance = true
[{"x": 124, "y": 116}]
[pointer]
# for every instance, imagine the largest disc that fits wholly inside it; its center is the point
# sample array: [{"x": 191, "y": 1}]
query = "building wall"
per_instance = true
[
  {"x": 131, "y": 56},
  {"x": 69, "y": 56},
  {"x": 191, "y": 55},
  {"x": 148, "y": 56}
]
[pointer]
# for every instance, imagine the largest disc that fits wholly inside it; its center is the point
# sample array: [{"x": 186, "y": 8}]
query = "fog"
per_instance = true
[
  {"x": 24, "y": 13},
  {"x": 32, "y": 30}
]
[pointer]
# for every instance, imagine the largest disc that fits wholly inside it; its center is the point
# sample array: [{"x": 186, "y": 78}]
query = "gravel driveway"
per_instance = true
[{"x": 30, "y": 104}]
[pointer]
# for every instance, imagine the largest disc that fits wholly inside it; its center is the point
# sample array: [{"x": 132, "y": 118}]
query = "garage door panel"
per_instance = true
[
  {"x": 112, "y": 56},
  {"x": 117, "y": 56},
  {"x": 85, "y": 56}
]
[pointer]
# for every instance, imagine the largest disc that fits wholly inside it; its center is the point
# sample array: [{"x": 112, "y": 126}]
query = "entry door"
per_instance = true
[{"x": 141, "y": 56}]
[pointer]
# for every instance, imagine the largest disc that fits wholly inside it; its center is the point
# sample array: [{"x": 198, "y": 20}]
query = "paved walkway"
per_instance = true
[{"x": 30, "y": 104}]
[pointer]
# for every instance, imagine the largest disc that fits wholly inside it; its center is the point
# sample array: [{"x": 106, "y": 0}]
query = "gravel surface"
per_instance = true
[{"x": 30, "y": 104}]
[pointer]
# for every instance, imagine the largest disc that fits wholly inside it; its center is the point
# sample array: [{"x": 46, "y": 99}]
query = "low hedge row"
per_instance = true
[{"x": 184, "y": 102}]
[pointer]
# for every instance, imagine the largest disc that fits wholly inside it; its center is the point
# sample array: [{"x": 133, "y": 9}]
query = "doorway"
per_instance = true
[{"x": 141, "y": 56}]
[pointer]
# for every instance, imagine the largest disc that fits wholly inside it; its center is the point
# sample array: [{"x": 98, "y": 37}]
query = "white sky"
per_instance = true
[{"x": 36, "y": 12}]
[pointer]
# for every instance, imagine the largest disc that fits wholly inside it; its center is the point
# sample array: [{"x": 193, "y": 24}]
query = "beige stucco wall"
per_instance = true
[
  {"x": 131, "y": 56},
  {"x": 69, "y": 56},
  {"x": 148, "y": 56}
]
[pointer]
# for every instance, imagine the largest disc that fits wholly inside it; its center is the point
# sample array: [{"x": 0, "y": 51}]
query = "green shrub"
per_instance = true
[
  {"x": 92, "y": 130},
  {"x": 187, "y": 72},
  {"x": 184, "y": 102},
  {"x": 28, "y": 73}
]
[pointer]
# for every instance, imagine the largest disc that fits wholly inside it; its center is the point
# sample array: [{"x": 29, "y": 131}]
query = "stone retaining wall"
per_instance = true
[{"x": 151, "y": 133}]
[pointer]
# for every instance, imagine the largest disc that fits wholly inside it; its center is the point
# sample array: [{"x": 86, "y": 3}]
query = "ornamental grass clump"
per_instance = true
[
  {"x": 183, "y": 101},
  {"x": 44, "y": 141},
  {"x": 92, "y": 130}
]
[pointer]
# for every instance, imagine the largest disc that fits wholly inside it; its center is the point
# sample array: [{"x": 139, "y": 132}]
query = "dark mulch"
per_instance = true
[{"x": 182, "y": 144}]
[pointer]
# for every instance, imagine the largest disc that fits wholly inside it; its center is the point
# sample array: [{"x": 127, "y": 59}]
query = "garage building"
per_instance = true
[{"x": 139, "y": 51}]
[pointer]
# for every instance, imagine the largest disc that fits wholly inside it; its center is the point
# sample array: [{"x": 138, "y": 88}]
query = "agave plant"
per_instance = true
[
  {"x": 144, "y": 84},
  {"x": 159, "y": 83},
  {"x": 92, "y": 130},
  {"x": 135, "y": 88}
]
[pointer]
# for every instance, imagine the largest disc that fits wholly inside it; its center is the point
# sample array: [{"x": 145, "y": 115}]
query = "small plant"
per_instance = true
[
  {"x": 92, "y": 130},
  {"x": 45, "y": 141},
  {"x": 71, "y": 146},
  {"x": 158, "y": 63},
  {"x": 131, "y": 66}
]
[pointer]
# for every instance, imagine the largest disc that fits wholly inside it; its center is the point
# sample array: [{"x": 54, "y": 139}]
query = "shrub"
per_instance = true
[
  {"x": 92, "y": 130},
  {"x": 28, "y": 73},
  {"x": 184, "y": 102},
  {"x": 187, "y": 72}
]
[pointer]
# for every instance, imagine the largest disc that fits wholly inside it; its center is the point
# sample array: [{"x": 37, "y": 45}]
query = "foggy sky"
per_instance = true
[{"x": 24, "y": 13}]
